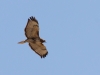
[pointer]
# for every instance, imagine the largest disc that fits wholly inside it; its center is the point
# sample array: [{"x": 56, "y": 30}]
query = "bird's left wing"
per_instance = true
[{"x": 39, "y": 48}]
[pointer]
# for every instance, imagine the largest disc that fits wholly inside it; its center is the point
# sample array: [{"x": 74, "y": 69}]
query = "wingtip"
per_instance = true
[
  {"x": 33, "y": 19},
  {"x": 44, "y": 55}
]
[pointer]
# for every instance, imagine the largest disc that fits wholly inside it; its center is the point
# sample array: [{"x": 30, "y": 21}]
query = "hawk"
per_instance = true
[{"x": 33, "y": 38}]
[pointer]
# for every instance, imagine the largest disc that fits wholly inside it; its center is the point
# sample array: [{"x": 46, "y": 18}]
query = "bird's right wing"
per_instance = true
[{"x": 32, "y": 28}]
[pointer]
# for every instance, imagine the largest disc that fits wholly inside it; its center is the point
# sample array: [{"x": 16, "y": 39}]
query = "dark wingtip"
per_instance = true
[
  {"x": 33, "y": 19},
  {"x": 44, "y": 55}
]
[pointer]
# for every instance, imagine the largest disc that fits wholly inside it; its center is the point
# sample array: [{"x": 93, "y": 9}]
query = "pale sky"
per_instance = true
[{"x": 71, "y": 29}]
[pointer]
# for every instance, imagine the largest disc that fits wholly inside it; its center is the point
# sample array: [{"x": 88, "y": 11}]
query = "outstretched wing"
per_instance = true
[
  {"x": 32, "y": 28},
  {"x": 39, "y": 48}
]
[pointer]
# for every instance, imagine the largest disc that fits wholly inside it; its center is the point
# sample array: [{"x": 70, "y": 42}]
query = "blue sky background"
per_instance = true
[{"x": 71, "y": 29}]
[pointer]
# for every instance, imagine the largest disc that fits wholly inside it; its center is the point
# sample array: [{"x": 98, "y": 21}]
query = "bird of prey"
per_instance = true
[{"x": 33, "y": 38}]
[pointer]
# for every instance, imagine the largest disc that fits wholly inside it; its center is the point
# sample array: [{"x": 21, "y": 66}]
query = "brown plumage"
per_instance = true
[{"x": 33, "y": 38}]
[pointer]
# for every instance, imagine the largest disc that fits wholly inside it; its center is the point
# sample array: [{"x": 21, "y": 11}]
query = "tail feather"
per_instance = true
[{"x": 22, "y": 42}]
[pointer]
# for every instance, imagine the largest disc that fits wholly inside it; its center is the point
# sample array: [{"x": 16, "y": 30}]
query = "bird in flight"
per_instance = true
[{"x": 33, "y": 38}]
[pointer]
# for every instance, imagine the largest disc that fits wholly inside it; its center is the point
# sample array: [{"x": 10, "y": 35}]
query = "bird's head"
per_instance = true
[{"x": 43, "y": 41}]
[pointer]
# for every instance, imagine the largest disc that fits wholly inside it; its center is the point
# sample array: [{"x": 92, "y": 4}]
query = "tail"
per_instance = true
[{"x": 22, "y": 42}]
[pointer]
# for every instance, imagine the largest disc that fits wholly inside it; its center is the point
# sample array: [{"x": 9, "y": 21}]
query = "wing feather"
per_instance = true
[
  {"x": 32, "y": 28},
  {"x": 39, "y": 48}
]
